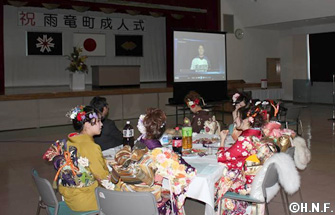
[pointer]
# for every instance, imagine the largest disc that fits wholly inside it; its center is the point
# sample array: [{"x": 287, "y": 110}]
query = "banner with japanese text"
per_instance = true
[{"x": 54, "y": 20}]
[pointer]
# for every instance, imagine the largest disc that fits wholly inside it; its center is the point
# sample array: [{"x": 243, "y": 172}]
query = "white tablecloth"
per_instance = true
[{"x": 201, "y": 188}]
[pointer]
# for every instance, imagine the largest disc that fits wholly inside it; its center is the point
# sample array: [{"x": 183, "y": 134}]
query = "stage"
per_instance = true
[
  {"x": 33, "y": 107},
  {"x": 48, "y": 92}
]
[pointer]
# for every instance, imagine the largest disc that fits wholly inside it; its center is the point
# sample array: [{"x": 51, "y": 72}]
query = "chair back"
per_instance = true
[
  {"x": 130, "y": 203},
  {"x": 290, "y": 152},
  {"x": 270, "y": 178},
  {"x": 292, "y": 113},
  {"x": 47, "y": 194}
]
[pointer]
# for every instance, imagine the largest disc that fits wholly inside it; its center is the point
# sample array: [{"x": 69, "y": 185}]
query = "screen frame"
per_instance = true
[
  {"x": 215, "y": 90},
  {"x": 199, "y": 31}
]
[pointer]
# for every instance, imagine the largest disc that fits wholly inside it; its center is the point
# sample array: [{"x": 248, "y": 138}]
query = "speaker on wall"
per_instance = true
[{"x": 228, "y": 23}]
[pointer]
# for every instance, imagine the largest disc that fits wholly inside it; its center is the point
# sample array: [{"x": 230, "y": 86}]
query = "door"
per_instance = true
[{"x": 273, "y": 69}]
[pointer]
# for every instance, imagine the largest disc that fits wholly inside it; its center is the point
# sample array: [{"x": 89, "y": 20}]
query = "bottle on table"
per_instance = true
[
  {"x": 177, "y": 141},
  {"x": 128, "y": 135},
  {"x": 187, "y": 135}
]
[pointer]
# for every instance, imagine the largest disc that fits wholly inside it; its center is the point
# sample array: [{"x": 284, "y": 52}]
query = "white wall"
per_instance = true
[
  {"x": 262, "y": 12},
  {"x": 22, "y": 70},
  {"x": 246, "y": 57}
]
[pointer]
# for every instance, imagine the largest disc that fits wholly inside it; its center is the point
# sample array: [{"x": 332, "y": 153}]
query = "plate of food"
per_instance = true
[
  {"x": 205, "y": 139},
  {"x": 194, "y": 152}
]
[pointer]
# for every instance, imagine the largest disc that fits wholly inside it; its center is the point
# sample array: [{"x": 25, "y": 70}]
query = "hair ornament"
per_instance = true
[
  {"x": 257, "y": 103},
  {"x": 73, "y": 113},
  {"x": 251, "y": 119},
  {"x": 256, "y": 111},
  {"x": 192, "y": 104},
  {"x": 93, "y": 115},
  {"x": 140, "y": 125},
  {"x": 79, "y": 114},
  {"x": 203, "y": 101},
  {"x": 265, "y": 102},
  {"x": 235, "y": 97},
  {"x": 275, "y": 107},
  {"x": 163, "y": 124}
]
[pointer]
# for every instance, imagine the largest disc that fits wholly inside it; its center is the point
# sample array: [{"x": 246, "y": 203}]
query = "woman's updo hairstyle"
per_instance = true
[
  {"x": 193, "y": 98},
  {"x": 253, "y": 113},
  {"x": 82, "y": 114},
  {"x": 271, "y": 109},
  {"x": 239, "y": 97},
  {"x": 154, "y": 123}
]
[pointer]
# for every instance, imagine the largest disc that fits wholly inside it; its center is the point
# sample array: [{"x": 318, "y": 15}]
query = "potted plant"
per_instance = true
[{"x": 77, "y": 69}]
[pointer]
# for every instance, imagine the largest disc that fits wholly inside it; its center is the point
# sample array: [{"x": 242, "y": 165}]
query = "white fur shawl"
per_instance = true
[
  {"x": 302, "y": 155},
  {"x": 289, "y": 177}
]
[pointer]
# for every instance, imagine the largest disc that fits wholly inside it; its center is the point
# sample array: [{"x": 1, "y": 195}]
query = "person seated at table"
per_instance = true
[
  {"x": 110, "y": 135},
  {"x": 152, "y": 126},
  {"x": 193, "y": 99},
  {"x": 239, "y": 99},
  {"x": 143, "y": 168},
  {"x": 277, "y": 138},
  {"x": 79, "y": 162},
  {"x": 249, "y": 120}
]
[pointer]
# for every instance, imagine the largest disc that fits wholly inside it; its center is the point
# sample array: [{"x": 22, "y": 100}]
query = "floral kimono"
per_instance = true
[
  {"x": 80, "y": 168},
  {"x": 144, "y": 168},
  {"x": 234, "y": 177}
]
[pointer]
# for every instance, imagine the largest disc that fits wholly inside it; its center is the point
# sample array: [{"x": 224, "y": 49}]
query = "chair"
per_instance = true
[
  {"x": 270, "y": 179},
  {"x": 48, "y": 200},
  {"x": 292, "y": 117},
  {"x": 129, "y": 203}
]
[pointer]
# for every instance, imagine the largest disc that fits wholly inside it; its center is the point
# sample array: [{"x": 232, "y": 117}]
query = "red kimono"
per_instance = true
[
  {"x": 235, "y": 156},
  {"x": 234, "y": 179}
]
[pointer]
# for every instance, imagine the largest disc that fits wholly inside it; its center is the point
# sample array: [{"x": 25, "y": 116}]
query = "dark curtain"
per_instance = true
[{"x": 322, "y": 56}]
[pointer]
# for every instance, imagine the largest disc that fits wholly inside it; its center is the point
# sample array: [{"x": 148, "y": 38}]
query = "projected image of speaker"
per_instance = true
[{"x": 199, "y": 64}]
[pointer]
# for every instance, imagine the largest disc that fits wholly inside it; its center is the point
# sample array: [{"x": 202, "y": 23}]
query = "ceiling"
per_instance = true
[{"x": 297, "y": 23}]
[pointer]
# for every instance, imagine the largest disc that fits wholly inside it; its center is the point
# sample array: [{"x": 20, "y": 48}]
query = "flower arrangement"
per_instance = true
[{"x": 77, "y": 61}]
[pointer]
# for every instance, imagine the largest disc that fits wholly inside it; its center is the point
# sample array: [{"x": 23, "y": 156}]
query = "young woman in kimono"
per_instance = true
[
  {"x": 79, "y": 162},
  {"x": 153, "y": 163},
  {"x": 249, "y": 121},
  {"x": 239, "y": 100},
  {"x": 193, "y": 101}
]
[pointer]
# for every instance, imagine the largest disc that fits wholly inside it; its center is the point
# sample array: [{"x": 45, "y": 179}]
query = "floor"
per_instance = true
[{"x": 22, "y": 150}]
